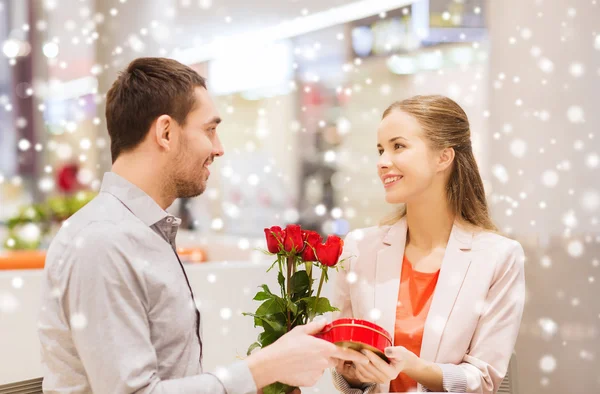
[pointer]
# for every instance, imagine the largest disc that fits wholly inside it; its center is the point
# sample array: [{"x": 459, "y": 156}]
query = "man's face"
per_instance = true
[{"x": 198, "y": 145}]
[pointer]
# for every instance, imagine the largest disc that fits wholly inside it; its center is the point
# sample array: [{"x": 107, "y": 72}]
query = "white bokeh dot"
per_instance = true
[
  {"x": 590, "y": 200},
  {"x": 500, "y": 173},
  {"x": 592, "y": 160},
  {"x": 546, "y": 65},
  {"x": 217, "y": 224},
  {"x": 226, "y": 313},
  {"x": 570, "y": 220},
  {"x": 575, "y": 248},
  {"x": 291, "y": 215},
  {"x": 548, "y": 326},
  {"x": 518, "y": 148},
  {"x": 576, "y": 70},
  {"x": 351, "y": 277},
  {"x": 550, "y": 178},
  {"x": 526, "y": 33},
  {"x": 8, "y": 303},
  {"x": 320, "y": 209},
  {"x": 78, "y": 321},
  {"x": 546, "y": 262},
  {"x": 375, "y": 314},
  {"x": 548, "y": 364},
  {"x": 17, "y": 282},
  {"x": 575, "y": 114},
  {"x": 24, "y": 145},
  {"x": 243, "y": 244}
]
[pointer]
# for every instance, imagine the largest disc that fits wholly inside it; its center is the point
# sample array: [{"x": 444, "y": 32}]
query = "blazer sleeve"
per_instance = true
[{"x": 485, "y": 364}]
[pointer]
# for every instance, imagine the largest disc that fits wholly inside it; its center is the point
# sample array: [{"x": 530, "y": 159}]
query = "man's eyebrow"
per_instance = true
[{"x": 215, "y": 120}]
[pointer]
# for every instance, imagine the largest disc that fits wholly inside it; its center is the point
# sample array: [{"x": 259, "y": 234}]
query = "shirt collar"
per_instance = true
[{"x": 134, "y": 198}]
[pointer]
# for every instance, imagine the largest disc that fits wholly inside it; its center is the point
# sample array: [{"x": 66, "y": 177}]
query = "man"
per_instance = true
[{"x": 118, "y": 313}]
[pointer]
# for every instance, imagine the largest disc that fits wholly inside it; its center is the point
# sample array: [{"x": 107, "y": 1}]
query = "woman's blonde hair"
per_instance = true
[{"x": 446, "y": 125}]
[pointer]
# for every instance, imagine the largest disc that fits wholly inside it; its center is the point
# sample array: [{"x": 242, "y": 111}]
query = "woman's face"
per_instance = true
[{"x": 407, "y": 166}]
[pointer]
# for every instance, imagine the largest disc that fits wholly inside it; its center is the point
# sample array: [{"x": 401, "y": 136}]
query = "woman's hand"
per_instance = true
[{"x": 379, "y": 371}]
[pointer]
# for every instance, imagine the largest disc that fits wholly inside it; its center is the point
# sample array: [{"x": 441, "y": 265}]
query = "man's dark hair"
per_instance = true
[{"x": 148, "y": 88}]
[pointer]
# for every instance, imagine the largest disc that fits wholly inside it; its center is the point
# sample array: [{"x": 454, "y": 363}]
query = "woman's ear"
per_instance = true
[{"x": 445, "y": 158}]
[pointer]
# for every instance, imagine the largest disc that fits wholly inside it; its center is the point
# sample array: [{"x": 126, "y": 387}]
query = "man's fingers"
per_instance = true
[
  {"x": 314, "y": 327},
  {"x": 350, "y": 355}
]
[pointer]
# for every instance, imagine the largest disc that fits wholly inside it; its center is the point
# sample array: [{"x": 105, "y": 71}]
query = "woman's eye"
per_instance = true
[
  {"x": 398, "y": 146},
  {"x": 380, "y": 151}
]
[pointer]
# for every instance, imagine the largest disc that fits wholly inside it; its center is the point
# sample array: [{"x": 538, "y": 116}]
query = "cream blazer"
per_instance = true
[{"x": 476, "y": 311}]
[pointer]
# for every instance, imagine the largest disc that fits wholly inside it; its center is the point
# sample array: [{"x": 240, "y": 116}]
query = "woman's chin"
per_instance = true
[{"x": 394, "y": 198}]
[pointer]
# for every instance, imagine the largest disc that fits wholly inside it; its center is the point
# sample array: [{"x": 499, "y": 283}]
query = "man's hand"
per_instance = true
[{"x": 298, "y": 358}]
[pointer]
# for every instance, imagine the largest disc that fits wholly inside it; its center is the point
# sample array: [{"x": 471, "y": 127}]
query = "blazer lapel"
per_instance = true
[
  {"x": 455, "y": 265},
  {"x": 387, "y": 275}
]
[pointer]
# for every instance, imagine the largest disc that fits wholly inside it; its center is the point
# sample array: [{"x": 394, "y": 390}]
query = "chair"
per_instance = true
[
  {"x": 31, "y": 386},
  {"x": 509, "y": 384}
]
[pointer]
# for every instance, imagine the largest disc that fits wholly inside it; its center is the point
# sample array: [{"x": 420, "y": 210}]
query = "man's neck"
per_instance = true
[{"x": 145, "y": 176}]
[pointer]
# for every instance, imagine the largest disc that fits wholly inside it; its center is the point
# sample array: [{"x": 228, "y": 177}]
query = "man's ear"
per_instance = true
[
  {"x": 162, "y": 130},
  {"x": 445, "y": 158}
]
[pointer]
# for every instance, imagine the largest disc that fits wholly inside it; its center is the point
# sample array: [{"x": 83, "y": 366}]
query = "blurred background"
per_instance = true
[{"x": 301, "y": 85}]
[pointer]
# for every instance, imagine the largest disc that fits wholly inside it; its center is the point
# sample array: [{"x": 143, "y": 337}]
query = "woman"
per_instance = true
[{"x": 437, "y": 276}]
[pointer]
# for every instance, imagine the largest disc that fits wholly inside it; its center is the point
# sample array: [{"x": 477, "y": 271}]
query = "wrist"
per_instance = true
[
  {"x": 417, "y": 367},
  {"x": 262, "y": 368}
]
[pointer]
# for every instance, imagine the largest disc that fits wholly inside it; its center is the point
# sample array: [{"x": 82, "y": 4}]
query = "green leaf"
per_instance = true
[
  {"x": 277, "y": 388},
  {"x": 269, "y": 336},
  {"x": 281, "y": 280},
  {"x": 261, "y": 296},
  {"x": 252, "y": 347},
  {"x": 271, "y": 306},
  {"x": 300, "y": 284},
  {"x": 292, "y": 307},
  {"x": 323, "y": 306},
  {"x": 308, "y": 265},
  {"x": 264, "y": 295},
  {"x": 276, "y": 322}
]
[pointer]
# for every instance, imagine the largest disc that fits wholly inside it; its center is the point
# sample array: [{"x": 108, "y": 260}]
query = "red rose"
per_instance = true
[
  {"x": 329, "y": 253},
  {"x": 293, "y": 238},
  {"x": 311, "y": 239},
  {"x": 66, "y": 178},
  {"x": 275, "y": 236}
]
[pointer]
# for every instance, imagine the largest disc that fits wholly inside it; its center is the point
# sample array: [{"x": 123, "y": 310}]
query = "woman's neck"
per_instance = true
[{"x": 429, "y": 223}]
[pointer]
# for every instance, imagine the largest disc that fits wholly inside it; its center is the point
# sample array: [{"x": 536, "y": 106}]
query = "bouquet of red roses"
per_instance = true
[{"x": 299, "y": 253}]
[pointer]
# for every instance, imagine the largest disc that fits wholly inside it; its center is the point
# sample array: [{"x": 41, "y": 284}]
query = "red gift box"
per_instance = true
[{"x": 358, "y": 335}]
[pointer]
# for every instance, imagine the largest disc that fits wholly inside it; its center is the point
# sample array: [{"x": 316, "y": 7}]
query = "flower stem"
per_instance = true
[
  {"x": 323, "y": 272},
  {"x": 290, "y": 263}
]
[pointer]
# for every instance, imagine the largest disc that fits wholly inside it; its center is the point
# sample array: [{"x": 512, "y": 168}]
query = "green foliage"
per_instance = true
[{"x": 295, "y": 305}]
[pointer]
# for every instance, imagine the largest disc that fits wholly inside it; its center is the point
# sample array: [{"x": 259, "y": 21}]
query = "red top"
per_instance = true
[{"x": 414, "y": 300}]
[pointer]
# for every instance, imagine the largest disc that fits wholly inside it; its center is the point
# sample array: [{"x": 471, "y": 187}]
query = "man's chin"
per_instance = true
[{"x": 192, "y": 191}]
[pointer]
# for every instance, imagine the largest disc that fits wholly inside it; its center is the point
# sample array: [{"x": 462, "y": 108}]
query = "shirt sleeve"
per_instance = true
[{"x": 106, "y": 307}]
